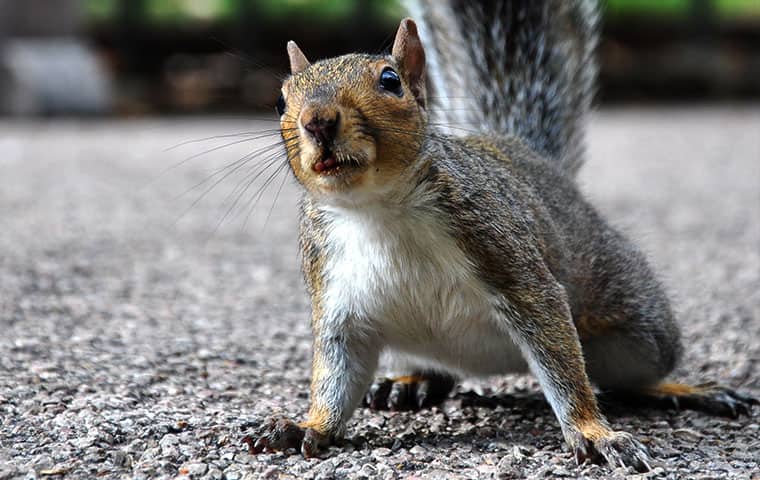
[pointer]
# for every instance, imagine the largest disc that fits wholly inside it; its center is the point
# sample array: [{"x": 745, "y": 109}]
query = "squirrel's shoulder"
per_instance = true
[{"x": 491, "y": 162}]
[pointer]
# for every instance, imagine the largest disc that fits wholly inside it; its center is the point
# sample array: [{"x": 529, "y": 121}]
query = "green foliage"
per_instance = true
[
  {"x": 682, "y": 8},
  {"x": 738, "y": 8},
  {"x": 101, "y": 9},
  {"x": 390, "y": 9},
  {"x": 190, "y": 11},
  {"x": 318, "y": 9},
  {"x": 648, "y": 7},
  {"x": 173, "y": 11},
  {"x": 325, "y": 10}
]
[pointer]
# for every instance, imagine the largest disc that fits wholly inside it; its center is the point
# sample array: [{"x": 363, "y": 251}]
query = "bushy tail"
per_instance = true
[{"x": 520, "y": 67}]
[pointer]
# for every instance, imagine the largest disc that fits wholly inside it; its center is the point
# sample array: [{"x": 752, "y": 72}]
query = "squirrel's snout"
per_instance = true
[
  {"x": 330, "y": 146},
  {"x": 323, "y": 127}
]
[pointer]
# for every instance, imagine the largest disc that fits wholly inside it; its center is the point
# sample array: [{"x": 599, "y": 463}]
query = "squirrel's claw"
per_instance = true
[
  {"x": 377, "y": 395},
  {"x": 310, "y": 443},
  {"x": 622, "y": 449},
  {"x": 411, "y": 392},
  {"x": 401, "y": 396},
  {"x": 280, "y": 434},
  {"x": 619, "y": 449}
]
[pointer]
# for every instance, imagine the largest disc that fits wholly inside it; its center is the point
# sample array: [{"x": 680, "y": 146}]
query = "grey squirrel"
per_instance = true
[{"x": 448, "y": 230}]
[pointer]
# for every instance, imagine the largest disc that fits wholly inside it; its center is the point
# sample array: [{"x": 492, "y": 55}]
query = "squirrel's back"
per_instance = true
[{"x": 514, "y": 67}]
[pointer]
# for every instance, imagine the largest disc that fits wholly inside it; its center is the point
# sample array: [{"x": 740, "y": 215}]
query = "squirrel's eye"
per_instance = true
[
  {"x": 280, "y": 105},
  {"x": 390, "y": 81}
]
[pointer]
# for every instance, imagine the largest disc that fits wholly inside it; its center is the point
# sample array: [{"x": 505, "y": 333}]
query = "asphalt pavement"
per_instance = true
[{"x": 152, "y": 311}]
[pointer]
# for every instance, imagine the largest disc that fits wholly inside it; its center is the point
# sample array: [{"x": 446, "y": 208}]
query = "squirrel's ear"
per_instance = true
[
  {"x": 408, "y": 52},
  {"x": 298, "y": 61}
]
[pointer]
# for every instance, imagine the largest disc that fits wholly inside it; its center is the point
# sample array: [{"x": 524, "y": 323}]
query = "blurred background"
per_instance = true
[
  {"x": 143, "y": 57},
  {"x": 152, "y": 309}
]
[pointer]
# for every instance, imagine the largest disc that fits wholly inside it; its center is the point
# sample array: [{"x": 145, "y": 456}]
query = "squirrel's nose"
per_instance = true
[{"x": 323, "y": 129}]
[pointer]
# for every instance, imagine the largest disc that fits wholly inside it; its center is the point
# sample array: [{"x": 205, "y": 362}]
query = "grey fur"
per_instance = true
[
  {"x": 517, "y": 221},
  {"x": 520, "y": 67},
  {"x": 479, "y": 245}
]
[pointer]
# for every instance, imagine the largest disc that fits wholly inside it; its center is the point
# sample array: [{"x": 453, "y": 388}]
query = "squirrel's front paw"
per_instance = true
[
  {"x": 280, "y": 434},
  {"x": 619, "y": 449}
]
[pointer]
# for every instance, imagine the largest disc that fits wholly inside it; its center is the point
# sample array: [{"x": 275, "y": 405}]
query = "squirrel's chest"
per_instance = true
[{"x": 405, "y": 276}]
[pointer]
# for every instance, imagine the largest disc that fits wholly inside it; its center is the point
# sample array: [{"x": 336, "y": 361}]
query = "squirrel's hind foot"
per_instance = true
[
  {"x": 411, "y": 392},
  {"x": 711, "y": 398}
]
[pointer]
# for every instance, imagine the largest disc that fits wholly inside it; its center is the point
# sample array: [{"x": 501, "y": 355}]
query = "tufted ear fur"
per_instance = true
[
  {"x": 410, "y": 56},
  {"x": 298, "y": 61}
]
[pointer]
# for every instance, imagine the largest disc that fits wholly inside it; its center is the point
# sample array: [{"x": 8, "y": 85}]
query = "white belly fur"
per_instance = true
[{"x": 404, "y": 276}]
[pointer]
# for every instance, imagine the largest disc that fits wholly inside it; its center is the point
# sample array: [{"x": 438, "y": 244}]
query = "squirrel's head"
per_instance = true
[{"x": 354, "y": 124}]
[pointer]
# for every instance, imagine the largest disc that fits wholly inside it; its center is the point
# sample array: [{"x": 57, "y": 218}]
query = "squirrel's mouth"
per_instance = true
[{"x": 335, "y": 163}]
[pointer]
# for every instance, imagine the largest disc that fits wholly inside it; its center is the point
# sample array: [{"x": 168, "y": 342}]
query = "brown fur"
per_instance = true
[
  {"x": 408, "y": 379},
  {"x": 318, "y": 419},
  {"x": 572, "y": 293},
  {"x": 383, "y": 148},
  {"x": 593, "y": 430},
  {"x": 674, "y": 389},
  {"x": 590, "y": 327}
]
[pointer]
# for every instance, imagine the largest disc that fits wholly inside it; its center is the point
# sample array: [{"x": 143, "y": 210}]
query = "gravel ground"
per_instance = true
[{"x": 139, "y": 342}]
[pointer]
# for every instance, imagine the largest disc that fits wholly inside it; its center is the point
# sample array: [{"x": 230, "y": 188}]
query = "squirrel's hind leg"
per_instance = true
[
  {"x": 629, "y": 358},
  {"x": 624, "y": 360},
  {"x": 420, "y": 389}
]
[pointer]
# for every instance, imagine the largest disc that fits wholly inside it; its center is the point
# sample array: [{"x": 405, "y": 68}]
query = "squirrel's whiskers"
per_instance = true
[{"x": 251, "y": 174}]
